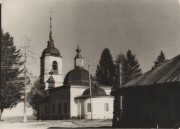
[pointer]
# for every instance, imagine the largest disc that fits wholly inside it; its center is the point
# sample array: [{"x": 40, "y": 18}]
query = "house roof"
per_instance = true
[
  {"x": 168, "y": 72},
  {"x": 96, "y": 91}
]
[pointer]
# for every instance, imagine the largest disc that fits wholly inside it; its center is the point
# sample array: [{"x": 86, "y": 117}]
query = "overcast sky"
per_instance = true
[{"x": 144, "y": 26}]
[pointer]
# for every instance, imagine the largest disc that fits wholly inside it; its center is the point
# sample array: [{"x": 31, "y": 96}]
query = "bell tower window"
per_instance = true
[{"x": 55, "y": 67}]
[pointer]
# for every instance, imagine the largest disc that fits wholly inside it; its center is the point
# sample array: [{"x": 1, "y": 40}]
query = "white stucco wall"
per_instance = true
[
  {"x": 108, "y": 91},
  {"x": 75, "y": 91},
  {"x": 79, "y": 62},
  {"x": 48, "y": 67},
  {"x": 98, "y": 108}
]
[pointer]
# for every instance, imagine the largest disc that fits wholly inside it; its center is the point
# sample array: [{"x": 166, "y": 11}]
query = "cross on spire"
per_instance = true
[
  {"x": 51, "y": 72},
  {"x": 78, "y": 58},
  {"x": 78, "y": 50},
  {"x": 78, "y": 55},
  {"x": 50, "y": 22}
]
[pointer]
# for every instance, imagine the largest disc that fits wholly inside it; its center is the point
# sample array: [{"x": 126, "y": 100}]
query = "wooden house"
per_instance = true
[{"x": 151, "y": 100}]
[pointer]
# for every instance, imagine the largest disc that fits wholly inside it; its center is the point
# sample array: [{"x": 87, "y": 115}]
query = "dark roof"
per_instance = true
[
  {"x": 88, "y": 96},
  {"x": 51, "y": 80},
  {"x": 77, "y": 76},
  {"x": 168, "y": 72},
  {"x": 51, "y": 51},
  {"x": 59, "y": 88},
  {"x": 96, "y": 91}
]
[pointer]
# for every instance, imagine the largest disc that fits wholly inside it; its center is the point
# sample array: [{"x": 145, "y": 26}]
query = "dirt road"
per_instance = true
[{"x": 16, "y": 123}]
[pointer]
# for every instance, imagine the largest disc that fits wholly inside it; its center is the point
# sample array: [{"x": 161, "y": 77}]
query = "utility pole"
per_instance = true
[
  {"x": 90, "y": 88},
  {"x": 27, "y": 75},
  {"x": 120, "y": 84},
  {"x": 25, "y": 99}
]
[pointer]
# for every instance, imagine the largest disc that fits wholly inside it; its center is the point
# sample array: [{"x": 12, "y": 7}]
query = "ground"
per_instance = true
[{"x": 16, "y": 123}]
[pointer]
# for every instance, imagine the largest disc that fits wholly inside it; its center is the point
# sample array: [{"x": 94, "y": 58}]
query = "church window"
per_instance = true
[
  {"x": 65, "y": 107},
  {"x": 53, "y": 108},
  {"x": 89, "y": 107},
  {"x": 55, "y": 65},
  {"x": 59, "y": 108},
  {"x": 106, "y": 107}
]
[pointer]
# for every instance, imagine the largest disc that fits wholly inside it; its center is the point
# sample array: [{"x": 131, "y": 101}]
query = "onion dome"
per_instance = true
[
  {"x": 78, "y": 76},
  {"x": 78, "y": 55},
  {"x": 51, "y": 51},
  {"x": 96, "y": 91}
]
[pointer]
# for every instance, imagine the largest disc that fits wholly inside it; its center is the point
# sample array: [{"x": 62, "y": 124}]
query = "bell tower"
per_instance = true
[{"x": 51, "y": 63}]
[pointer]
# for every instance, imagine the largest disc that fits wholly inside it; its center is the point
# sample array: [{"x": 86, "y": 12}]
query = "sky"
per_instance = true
[{"x": 144, "y": 26}]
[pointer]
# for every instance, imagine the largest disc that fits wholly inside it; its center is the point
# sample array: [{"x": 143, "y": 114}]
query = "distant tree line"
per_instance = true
[
  {"x": 106, "y": 67},
  {"x": 130, "y": 67}
]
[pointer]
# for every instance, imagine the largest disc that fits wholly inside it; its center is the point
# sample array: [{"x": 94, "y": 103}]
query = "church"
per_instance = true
[{"x": 75, "y": 96}]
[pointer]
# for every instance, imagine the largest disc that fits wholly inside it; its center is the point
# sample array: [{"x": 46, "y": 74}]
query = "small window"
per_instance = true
[
  {"x": 59, "y": 108},
  {"x": 65, "y": 107},
  {"x": 89, "y": 107},
  {"x": 106, "y": 107},
  {"x": 53, "y": 108},
  {"x": 55, "y": 65}
]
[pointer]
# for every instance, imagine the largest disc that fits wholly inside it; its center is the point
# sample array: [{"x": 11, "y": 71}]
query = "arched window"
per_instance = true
[{"x": 55, "y": 65}]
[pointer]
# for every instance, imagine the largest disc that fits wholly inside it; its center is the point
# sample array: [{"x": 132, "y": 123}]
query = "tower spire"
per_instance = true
[
  {"x": 78, "y": 58},
  {"x": 50, "y": 42},
  {"x": 78, "y": 55}
]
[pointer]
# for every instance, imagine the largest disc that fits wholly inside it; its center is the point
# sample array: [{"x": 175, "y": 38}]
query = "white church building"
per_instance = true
[{"x": 71, "y": 98}]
